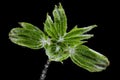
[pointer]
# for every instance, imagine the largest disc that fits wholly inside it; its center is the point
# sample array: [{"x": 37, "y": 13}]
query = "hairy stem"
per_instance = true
[{"x": 44, "y": 71}]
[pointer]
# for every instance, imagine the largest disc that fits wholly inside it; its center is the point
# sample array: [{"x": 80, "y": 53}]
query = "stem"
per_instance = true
[{"x": 44, "y": 71}]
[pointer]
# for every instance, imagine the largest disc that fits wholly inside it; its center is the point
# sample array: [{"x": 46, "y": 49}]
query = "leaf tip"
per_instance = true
[
  {"x": 60, "y": 5},
  {"x": 21, "y": 23},
  {"x": 94, "y": 26}
]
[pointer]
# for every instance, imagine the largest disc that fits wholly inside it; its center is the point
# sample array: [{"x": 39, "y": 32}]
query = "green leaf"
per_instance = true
[
  {"x": 57, "y": 28},
  {"x": 76, "y": 36},
  {"x": 49, "y": 27},
  {"x": 28, "y": 36},
  {"x": 86, "y": 29},
  {"x": 75, "y": 32},
  {"x": 80, "y": 37},
  {"x": 89, "y": 59},
  {"x": 29, "y": 26},
  {"x": 63, "y": 20},
  {"x": 73, "y": 41},
  {"x": 85, "y": 36}
]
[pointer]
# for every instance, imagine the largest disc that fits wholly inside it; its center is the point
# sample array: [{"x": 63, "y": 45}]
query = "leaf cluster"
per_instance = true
[{"x": 58, "y": 43}]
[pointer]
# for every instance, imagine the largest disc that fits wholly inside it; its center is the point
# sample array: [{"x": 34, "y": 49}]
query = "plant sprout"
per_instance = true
[{"x": 60, "y": 44}]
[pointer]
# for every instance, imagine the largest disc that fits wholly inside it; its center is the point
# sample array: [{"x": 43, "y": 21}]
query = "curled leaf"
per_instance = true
[{"x": 57, "y": 52}]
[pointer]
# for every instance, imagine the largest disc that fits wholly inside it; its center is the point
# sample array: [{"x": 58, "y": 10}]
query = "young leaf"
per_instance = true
[
  {"x": 28, "y": 36},
  {"x": 86, "y": 29},
  {"x": 63, "y": 20},
  {"x": 76, "y": 35},
  {"x": 89, "y": 59},
  {"x": 30, "y": 27},
  {"x": 49, "y": 27},
  {"x": 73, "y": 41},
  {"x": 85, "y": 36},
  {"x": 78, "y": 31},
  {"x": 80, "y": 37},
  {"x": 57, "y": 28}
]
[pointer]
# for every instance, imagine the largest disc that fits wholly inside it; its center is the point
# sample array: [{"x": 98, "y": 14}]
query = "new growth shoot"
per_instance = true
[{"x": 60, "y": 44}]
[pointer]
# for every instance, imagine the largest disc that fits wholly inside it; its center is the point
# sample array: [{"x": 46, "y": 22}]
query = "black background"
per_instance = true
[{"x": 19, "y": 63}]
